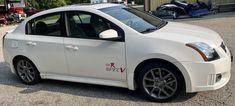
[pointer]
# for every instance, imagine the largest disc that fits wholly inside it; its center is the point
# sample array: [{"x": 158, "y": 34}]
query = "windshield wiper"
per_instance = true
[
  {"x": 149, "y": 30},
  {"x": 162, "y": 24}
]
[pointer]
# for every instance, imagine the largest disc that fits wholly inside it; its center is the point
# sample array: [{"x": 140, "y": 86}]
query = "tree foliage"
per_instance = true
[
  {"x": 42, "y": 4},
  {"x": 1, "y": 1},
  {"x": 69, "y": 2},
  {"x": 45, "y": 4}
]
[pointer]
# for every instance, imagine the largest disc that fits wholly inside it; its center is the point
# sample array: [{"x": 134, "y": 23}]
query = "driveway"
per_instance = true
[{"x": 51, "y": 92}]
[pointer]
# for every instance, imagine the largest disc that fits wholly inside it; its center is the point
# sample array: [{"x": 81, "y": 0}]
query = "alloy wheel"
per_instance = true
[
  {"x": 160, "y": 83},
  {"x": 26, "y": 71}
]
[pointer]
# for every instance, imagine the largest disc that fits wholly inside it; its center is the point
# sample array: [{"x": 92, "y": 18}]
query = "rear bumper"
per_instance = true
[{"x": 204, "y": 75}]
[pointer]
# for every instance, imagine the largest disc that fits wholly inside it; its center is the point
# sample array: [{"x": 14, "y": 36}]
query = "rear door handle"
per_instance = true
[
  {"x": 31, "y": 43},
  {"x": 69, "y": 47}
]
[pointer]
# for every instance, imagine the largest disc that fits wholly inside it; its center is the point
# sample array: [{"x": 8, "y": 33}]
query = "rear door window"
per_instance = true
[{"x": 47, "y": 25}]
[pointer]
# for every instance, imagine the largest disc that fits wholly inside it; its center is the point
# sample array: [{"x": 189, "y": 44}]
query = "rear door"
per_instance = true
[{"x": 44, "y": 43}]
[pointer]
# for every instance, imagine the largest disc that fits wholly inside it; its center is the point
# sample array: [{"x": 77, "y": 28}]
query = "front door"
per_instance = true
[{"x": 87, "y": 55}]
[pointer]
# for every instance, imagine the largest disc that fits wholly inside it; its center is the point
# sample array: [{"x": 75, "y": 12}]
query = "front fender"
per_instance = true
[{"x": 131, "y": 68}]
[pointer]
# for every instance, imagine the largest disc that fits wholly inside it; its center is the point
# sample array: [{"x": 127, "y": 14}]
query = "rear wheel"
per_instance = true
[
  {"x": 26, "y": 71},
  {"x": 159, "y": 82}
]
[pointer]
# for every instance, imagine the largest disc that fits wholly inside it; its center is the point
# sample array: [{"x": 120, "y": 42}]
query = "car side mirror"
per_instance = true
[{"x": 110, "y": 34}]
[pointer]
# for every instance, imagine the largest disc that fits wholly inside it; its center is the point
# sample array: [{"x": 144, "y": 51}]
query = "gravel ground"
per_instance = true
[{"x": 50, "y": 92}]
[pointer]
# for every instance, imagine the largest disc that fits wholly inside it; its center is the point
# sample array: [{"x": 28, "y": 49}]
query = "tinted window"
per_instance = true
[
  {"x": 85, "y": 18},
  {"x": 138, "y": 20},
  {"x": 48, "y": 25},
  {"x": 88, "y": 25}
]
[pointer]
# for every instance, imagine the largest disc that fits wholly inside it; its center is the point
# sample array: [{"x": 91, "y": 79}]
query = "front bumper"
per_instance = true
[{"x": 203, "y": 75}]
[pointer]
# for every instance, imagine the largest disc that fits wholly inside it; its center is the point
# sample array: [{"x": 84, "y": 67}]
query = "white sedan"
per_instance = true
[{"x": 114, "y": 45}]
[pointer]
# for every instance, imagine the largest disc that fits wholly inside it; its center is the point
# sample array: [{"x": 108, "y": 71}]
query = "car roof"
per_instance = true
[
  {"x": 80, "y": 7},
  {"x": 94, "y": 6}
]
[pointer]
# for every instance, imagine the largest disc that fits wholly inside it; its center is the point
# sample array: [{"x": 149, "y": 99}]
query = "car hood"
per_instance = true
[{"x": 187, "y": 34}]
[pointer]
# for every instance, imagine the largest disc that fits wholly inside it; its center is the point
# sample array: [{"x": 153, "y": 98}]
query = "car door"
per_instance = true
[
  {"x": 44, "y": 43},
  {"x": 89, "y": 56}
]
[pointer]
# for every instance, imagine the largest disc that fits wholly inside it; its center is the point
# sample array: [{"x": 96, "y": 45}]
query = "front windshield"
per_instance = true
[{"x": 135, "y": 19}]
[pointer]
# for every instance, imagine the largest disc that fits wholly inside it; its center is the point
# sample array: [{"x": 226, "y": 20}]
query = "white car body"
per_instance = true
[{"x": 89, "y": 61}]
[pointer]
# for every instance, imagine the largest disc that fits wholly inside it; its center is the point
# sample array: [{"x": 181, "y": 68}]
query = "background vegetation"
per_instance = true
[
  {"x": 45, "y": 4},
  {"x": 1, "y": 1}
]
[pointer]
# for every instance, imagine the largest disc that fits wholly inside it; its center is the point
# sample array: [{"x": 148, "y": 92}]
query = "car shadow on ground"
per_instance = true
[{"x": 77, "y": 89}]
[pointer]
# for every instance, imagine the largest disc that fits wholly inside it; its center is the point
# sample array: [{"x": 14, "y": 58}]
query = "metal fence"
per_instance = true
[{"x": 153, "y": 4}]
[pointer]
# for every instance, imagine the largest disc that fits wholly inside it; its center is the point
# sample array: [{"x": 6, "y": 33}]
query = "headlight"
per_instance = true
[{"x": 208, "y": 53}]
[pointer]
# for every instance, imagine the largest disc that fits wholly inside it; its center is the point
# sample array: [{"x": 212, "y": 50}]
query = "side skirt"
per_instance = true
[{"x": 85, "y": 80}]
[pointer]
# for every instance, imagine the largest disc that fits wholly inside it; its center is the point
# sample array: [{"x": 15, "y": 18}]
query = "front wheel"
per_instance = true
[
  {"x": 159, "y": 82},
  {"x": 26, "y": 71}
]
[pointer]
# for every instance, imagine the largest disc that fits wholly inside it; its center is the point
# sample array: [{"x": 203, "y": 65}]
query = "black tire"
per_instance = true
[
  {"x": 178, "y": 86},
  {"x": 31, "y": 72}
]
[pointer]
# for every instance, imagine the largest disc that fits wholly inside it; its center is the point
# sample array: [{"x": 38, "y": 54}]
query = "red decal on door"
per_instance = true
[
  {"x": 112, "y": 67},
  {"x": 122, "y": 70}
]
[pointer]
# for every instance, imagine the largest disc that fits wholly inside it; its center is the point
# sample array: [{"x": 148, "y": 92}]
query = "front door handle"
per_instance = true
[
  {"x": 31, "y": 43},
  {"x": 70, "y": 47},
  {"x": 75, "y": 48}
]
